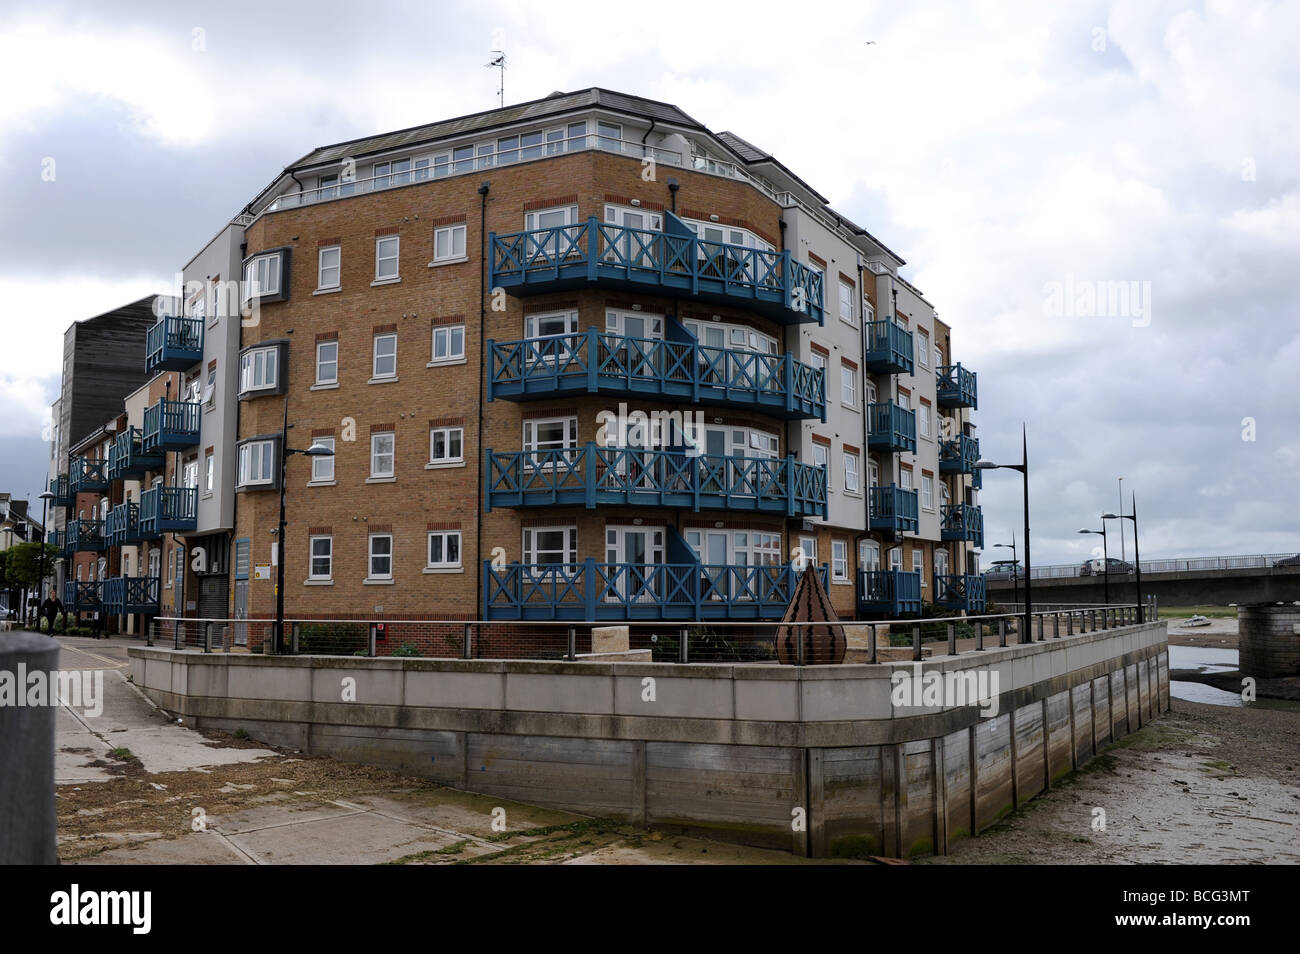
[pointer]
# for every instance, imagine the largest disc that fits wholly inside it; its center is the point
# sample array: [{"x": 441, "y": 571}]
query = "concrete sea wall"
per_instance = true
[{"x": 816, "y": 760}]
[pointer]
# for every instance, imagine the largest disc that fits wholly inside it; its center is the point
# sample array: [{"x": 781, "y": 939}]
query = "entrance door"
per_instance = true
[
  {"x": 641, "y": 356},
  {"x": 636, "y": 247},
  {"x": 638, "y": 552}
]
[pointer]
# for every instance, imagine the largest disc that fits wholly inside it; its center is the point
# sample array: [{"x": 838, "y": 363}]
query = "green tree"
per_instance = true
[{"x": 23, "y": 566}]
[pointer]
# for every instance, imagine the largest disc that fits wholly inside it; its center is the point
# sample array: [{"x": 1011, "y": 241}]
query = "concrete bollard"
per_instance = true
[{"x": 27, "y": 751}]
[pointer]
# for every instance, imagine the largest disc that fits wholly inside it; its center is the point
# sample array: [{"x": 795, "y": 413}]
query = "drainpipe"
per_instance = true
[
  {"x": 673, "y": 186},
  {"x": 484, "y": 370},
  {"x": 866, "y": 427}
]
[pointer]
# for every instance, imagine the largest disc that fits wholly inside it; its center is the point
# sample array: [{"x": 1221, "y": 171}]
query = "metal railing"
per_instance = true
[
  {"x": 1179, "y": 565},
  {"x": 672, "y": 641}
]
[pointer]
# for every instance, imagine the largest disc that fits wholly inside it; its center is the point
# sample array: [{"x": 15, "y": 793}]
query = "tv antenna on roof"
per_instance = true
[{"x": 498, "y": 62}]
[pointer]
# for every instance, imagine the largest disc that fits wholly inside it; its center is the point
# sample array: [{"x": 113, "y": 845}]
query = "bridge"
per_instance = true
[{"x": 1192, "y": 581}]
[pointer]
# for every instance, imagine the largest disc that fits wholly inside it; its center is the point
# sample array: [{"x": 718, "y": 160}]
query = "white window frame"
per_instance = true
[
  {"x": 452, "y": 232},
  {"x": 444, "y": 536},
  {"x": 822, "y": 458},
  {"x": 528, "y": 543},
  {"x": 381, "y": 256},
  {"x": 923, "y": 347},
  {"x": 852, "y": 473},
  {"x": 569, "y": 441},
  {"x": 848, "y": 386},
  {"x": 448, "y": 333},
  {"x": 264, "y": 452},
  {"x": 258, "y": 270},
  {"x": 249, "y": 366},
  {"x": 322, "y": 268},
  {"x": 371, "y": 556},
  {"x": 918, "y": 564},
  {"x": 847, "y": 290},
  {"x": 377, "y": 455},
  {"x": 927, "y": 492},
  {"x": 446, "y": 433},
  {"x": 809, "y": 547},
  {"x": 840, "y": 561},
  {"x": 320, "y": 345},
  {"x": 905, "y": 478},
  {"x": 375, "y": 356},
  {"x": 312, "y": 557},
  {"x": 320, "y": 462},
  {"x": 209, "y": 471},
  {"x": 923, "y": 411}
]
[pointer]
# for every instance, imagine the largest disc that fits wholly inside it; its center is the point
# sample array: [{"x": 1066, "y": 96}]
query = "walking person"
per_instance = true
[{"x": 51, "y": 608}]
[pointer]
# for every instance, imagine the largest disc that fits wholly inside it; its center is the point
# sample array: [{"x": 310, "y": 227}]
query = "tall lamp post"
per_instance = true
[
  {"x": 1105, "y": 562},
  {"x": 1015, "y": 567},
  {"x": 46, "y": 497},
  {"x": 1137, "y": 559},
  {"x": 316, "y": 450},
  {"x": 1023, "y": 467}
]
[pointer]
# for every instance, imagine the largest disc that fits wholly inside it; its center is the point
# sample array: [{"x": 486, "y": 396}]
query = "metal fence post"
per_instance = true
[
  {"x": 1040, "y": 627},
  {"x": 683, "y": 655},
  {"x": 798, "y": 635},
  {"x": 295, "y": 635},
  {"x": 573, "y": 644},
  {"x": 1069, "y": 623},
  {"x": 873, "y": 642},
  {"x": 979, "y": 635},
  {"x": 1002, "y": 632},
  {"x": 467, "y": 647},
  {"x": 952, "y": 639},
  {"x": 1056, "y": 625},
  {"x": 916, "y": 643}
]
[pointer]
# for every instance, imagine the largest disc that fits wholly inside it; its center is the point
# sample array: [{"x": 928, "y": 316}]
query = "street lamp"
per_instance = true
[
  {"x": 1023, "y": 467},
  {"x": 316, "y": 450},
  {"x": 46, "y": 497},
  {"x": 1105, "y": 562},
  {"x": 1015, "y": 566},
  {"x": 1137, "y": 559}
]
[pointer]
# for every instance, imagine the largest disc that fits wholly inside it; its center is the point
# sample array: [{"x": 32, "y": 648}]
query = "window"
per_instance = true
[
  {"x": 846, "y": 302},
  {"x": 328, "y": 187},
  {"x": 448, "y": 343},
  {"x": 382, "y": 446},
  {"x": 839, "y": 561},
  {"x": 209, "y": 472},
  {"x": 922, "y": 347},
  {"x": 550, "y": 545},
  {"x": 386, "y": 258},
  {"x": 611, "y": 136},
  {"x": 927, "y": 491},
  {"x": 552, "y": 433},
  {"x": 809, "y": 547},
  {"x": 938, "y": 358},
  {"x": 257, "y": 370},
  {"x": 381, "y": 556},
  {"x": 821, "y": 456},
  {"x": 895, "y": 558},
  {"x": 852, "y": 483},
  {"x": 918, "y": 564},
  {"x": 256, "y": 459},
  {"x": 322, "y": 468},
  {"x": 923, "y": 418},
  {"x": 385, "y": 356},
  {"x": 327, "y": 267},
  {"x": 551, "y": 218},
  {"x": 327, "y": 362},
  {"x": 562, "y": 140},
  {"x": 869, "y": 555},
  {"x": 444, "y": 549},
  {"x": 210, "y": 389},
  {"x": 446, "y": 445},
  {"x": 262, "y": 276},
  {"x": 322, "y": 558},
  {"x": 905, "y": 478},
  {"x": 940, "y": 563},
  {"x": 849, "y": 385},
  {"x": 449, "y": 243},
  {"x": 551, "y": 323},
  {"x": 395, "y": 172},
  {"x": 818, "y": 361}
]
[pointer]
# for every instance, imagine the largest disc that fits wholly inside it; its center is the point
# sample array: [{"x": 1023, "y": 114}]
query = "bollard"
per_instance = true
[
  {"x": 1040, "y": 628},
  {"x": 873, "y": 642},
  {"x": 683, "y": 656},
  {"x": 1002, "y": 633},
  {"x": 979, "y": 636},
  {"x": 1056, "y": 625},
  {"x": 952, "y": 640},
  {"x": 370, "y": 642},
  {"x": 295, "y": 634},
  {"x": 916, "y": 643},
  {"x": 573, "y": 643},
  {"x": 27, "y": 824},
  {"x": 1069, "y": 623},
  {"x": 467, "y": 647}
]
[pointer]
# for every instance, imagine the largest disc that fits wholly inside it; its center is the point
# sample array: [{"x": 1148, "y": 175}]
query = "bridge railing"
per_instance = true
[{"x": 1179, "y": 565}]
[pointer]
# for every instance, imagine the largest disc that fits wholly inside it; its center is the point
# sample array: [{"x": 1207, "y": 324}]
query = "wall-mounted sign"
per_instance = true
[{"x": 262, "y": 571}]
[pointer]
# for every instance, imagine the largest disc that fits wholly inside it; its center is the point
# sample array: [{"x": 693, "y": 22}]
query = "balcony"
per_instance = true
[
  {"x": 674, "y": 263},
  {"x": 891, "y": 428},
  {"x": 126, "y": 458},
  {"x": 960, "y": 592},
  {"x": 80, "y": 596},
  {"x": 168, "y": 510},
  {"x": 85, "y": 536},
  {"x": 889, "y": 593},
  {"x": 962, "y": 522},
  {"x": 123, "y": 526},
  {"x": 889, "y": 348},
  {"x": 892, "y": 509},
  {"x": 594, "y": 591},
  {"x": 591, "y": 475},
  {"x": 126, "y": 595},
  {"x": 63, "y": 496},
  {"x": 56, "y": 539},
  {"x": 170, "y": 425},
  {"x": 956, "y": 387},
  {"x": 958, "y": 455},
  {"x": 174, "y": 344},
  {"x": 86, "y": 475},
  {"x": 598, "y": 363}
]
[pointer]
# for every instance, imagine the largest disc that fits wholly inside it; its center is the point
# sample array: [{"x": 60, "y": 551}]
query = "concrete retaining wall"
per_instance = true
[
  {"x": 817, "y": 760},
  {"x": 1269, "y": 640}
]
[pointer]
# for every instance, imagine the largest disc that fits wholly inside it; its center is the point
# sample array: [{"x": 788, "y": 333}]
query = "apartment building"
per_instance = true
[{"x": 585, "y": 359}]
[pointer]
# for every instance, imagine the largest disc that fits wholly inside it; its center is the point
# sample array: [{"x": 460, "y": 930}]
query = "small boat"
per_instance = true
[{"x": 1197, "y": 620}]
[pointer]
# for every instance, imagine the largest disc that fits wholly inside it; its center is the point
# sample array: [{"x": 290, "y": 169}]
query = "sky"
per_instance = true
[{"x": 1102, "y": 199}]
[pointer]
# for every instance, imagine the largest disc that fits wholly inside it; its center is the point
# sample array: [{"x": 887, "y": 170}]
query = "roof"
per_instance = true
[{"x": 743, "y": 147}]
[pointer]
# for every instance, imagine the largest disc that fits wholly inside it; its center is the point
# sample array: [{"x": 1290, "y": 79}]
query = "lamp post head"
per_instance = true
[
  {"x": 986, "y": 465},
  {"x": 1110, "y": 516},
  {"x": 1089, "y": 531},
  {"x": 46, "y": 496},
  {"x": 319, "y": 450}
]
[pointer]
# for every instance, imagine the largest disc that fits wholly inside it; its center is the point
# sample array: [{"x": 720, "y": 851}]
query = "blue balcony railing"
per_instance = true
[
  {"x": 631, "y": 591},
  {"x": 83, "y": 595},
  {"x": 889, "y": 348},
  {"x": 597, "y": 363},
  {"x": 56, "y": 539},
  {"x": 956, "y": 387},
  {"x": 958, "y": 455},
  {"x": 87, "y": 475},
  {"x": 123, "y": 525},
  {"x": 63, "y": 496},
  {"x": 127, "y": 458},
  {"x": 958, "y": 591},
  {"x": 892, "y": 509},
  {"x": 590, "y": 475},
  {"x": 173, "y": 344},
  {"x": 86, "y": 536},
  {"x": 891, "y": 428},
  {"x": 126, "y": 595},
  {"x": 962, "y": 522},
  {"x": 170, "y": 425},
  {"x": 674, "y": 262},
  {"x": 168, "y": 510},
  {"x": 889, "y": 593}
]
